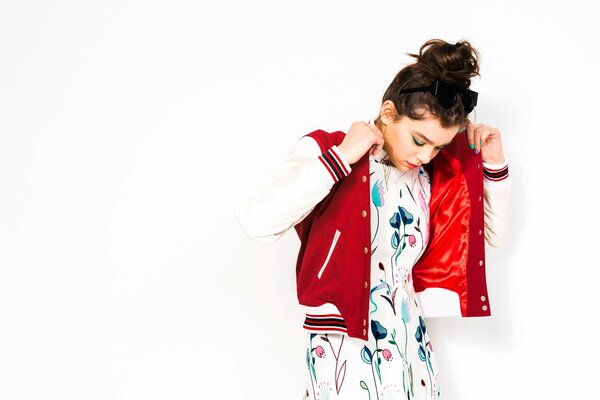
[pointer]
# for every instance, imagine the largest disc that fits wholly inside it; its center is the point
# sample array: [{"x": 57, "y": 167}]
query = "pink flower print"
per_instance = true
[
  {"x": 426, "y": 211},
  {"x": 320, "y": 351},
  {"x": 387, "y": 355},
  {"x": 412, "y": 240},
  {"x": 422, "y": 201},
  {"x": 430, "y": 346}
]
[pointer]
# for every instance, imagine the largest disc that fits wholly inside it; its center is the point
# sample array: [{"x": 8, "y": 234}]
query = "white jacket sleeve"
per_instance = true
[
  {"x": 497, "y": 198},
  {"x": 292, "y": 189}
]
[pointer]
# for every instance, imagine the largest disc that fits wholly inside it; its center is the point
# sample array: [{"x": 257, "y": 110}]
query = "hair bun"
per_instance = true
[{"x": 453, "y": 63}]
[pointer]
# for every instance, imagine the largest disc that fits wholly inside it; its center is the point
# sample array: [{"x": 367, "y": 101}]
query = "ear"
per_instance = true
[{"x": 387, "y": 112}]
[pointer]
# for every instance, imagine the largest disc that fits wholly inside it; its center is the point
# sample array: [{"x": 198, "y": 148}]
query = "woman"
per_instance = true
[{"x": 392, "y": 218}]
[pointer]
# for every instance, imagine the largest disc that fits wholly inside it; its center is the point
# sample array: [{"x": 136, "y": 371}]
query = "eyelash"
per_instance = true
[{"x": 422, "y": 144}]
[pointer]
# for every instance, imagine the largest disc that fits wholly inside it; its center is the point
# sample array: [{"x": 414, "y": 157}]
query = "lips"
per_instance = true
[{"x": 411, "y": 165}]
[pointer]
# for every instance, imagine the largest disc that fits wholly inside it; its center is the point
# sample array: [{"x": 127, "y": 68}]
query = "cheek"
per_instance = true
[
  {"x": 400, "y": 149},
  {"x": 402, "y": 146},
  {"x": 409, "y": 147}
]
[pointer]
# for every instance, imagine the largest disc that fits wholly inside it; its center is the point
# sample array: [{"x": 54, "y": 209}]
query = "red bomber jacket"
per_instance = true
[
  {"x": 336, "y": 232},
  {"x": 454, "y": 258}
]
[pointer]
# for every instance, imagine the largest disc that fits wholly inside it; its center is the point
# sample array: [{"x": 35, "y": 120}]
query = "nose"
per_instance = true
[{"x": 426, "y": 155}]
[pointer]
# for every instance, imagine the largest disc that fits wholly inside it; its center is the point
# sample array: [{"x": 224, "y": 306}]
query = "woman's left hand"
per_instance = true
[{"x": 486, "y": 139}]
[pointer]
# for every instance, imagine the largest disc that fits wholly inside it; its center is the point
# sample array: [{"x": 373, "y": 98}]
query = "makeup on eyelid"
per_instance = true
[
  {"x": 428, "y": 140},
  {"x": 422, "y": 144}
]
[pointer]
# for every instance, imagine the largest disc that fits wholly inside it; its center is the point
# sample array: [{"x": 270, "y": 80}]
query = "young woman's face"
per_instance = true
[{"x": 415, "y": 142}]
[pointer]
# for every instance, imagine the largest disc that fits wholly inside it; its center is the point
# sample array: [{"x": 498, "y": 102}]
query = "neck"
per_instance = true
[{"x": 382, "y": 127}]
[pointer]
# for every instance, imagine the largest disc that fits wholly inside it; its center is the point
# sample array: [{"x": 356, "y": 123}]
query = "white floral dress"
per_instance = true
[{"x": 398, "y": 361}]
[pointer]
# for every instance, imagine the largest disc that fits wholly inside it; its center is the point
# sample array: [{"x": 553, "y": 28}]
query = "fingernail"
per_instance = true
[
  {"x": 481, "y": 143},
  {"x": 477, "y": 151},
  {"x": 472, "y": 146}
]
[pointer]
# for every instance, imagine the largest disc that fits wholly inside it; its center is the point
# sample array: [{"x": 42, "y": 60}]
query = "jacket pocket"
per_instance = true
[{"x": 335, "y": 239}]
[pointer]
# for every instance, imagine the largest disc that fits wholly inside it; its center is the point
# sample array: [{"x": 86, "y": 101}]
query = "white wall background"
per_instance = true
[{"x": 130, "y": 129}]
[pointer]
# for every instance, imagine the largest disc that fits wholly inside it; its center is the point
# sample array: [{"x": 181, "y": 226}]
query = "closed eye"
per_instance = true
[{"x": 423, "y": 144}]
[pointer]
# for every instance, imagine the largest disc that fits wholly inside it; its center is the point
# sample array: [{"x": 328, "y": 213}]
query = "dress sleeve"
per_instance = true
[
  {"x": 497, "y": 197},
  {"x": 292, "y": 189}
]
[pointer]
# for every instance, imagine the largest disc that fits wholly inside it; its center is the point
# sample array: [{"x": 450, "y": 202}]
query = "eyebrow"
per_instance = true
[{"x": 429, "y": 141}]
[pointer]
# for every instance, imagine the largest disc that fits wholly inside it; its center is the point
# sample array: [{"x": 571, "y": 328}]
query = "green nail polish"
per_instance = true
[
  {"x": 481, "y": 143},
  {"x": 472, "y": 145}
]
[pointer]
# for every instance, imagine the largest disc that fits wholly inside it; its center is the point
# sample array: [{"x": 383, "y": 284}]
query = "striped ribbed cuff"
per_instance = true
[
  {"x": 325, "y": 322},
  {"x": 334, "y": 162},
  {"x": 495, "y": 172}
]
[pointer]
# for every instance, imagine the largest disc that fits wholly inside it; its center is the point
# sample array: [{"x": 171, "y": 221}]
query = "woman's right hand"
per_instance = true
[{"x": 360, "y": 138}]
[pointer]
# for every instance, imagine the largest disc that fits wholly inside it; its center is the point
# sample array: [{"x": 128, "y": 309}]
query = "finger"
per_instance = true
[
  {"x": 464, "y": 127},
  {"x": 490, "y": 135},
  {"x": 378, "y": 145},
  {"x": 484, "y": 136},
  {"x": 376, "y": 132},
  {"x": 477, "y": 139},
  {"x": 470, "y": 132},
  {"x": 494, "y": 133},
  {"x": 475, "y": 133},
  {"x": 481, "y": 136}
]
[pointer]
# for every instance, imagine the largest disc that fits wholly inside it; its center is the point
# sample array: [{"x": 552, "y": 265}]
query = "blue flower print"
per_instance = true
[
  {"x": 401, "y": 218},
  {"x": 424, "y": 347}
]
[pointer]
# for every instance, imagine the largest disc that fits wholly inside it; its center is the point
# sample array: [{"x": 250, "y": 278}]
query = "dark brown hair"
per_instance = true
[{"x": 452, "y": 63}]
